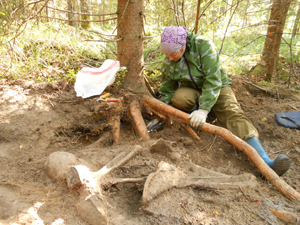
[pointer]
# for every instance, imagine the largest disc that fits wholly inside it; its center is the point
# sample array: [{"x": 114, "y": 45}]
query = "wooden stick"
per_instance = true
[
  {"x": 266, "y": 171},
  {"x": 138, "y": 121}
]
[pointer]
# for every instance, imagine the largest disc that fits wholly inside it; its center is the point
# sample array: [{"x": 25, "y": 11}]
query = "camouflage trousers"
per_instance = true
[{"x": 227, "y": 110}]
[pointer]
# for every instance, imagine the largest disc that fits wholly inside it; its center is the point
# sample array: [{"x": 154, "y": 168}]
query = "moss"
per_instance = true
[
  {"x": 265, "y": 83},
  {"x": 257, "y": 70},
  {"x": 283, "y": 75}
]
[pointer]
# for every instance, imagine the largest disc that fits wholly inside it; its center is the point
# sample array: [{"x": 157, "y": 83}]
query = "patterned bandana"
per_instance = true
[{"x": 173, "y": 39}]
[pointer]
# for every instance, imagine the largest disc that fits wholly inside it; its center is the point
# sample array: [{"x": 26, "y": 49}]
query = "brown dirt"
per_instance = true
[{"x": 38, "y": 119}]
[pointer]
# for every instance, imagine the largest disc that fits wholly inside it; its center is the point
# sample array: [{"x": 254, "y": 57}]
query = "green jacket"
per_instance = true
[{"x": 206, "y": 70}]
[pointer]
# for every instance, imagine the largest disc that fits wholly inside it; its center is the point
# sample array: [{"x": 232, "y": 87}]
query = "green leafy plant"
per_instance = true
[
  {"x": 70, "y": 75},
  {"x": 120, "y": 77}
]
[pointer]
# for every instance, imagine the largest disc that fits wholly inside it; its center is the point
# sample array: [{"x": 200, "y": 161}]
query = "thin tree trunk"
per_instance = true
[
  {"x": 130, "y": 48},
  {"x": 182, "y": 11},
  {"x": 274, "y": 33},
  {"x": 85, "y": 8},
  {"x": 227, "y": 27},
  {"x": 103, "y": 11},
  {"x": 71, "y": 15},
  {"x": 197, "y": 16},
  {"x": 245, "y": 16},
  {"x": 296, "y": 22}
]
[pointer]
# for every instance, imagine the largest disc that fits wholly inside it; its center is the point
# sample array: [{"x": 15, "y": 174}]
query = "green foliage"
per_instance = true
[
  {"x": 121, "y": 74},
  {"x": 54, "y": 51},
  {"x": 49, "y": 52},
  {"x": 70, "y": 75},
  {"x": 153, "y": 58}
]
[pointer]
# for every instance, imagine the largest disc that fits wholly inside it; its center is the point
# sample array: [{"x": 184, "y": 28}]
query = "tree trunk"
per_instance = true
[
  {"x": 71, "y": 15},
  {"x": 130, "y": 48},
  {"x": 274, "y": 33},
  {"x": 85, "y": 8},
  {"x": 197, "y": 16},
  {"x": 102, "y": 12},
  {"x": 245, "y": 21},
  {"x": 296, "y": 22}
]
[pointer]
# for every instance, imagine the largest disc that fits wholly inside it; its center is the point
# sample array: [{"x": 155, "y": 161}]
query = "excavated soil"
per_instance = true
[{"x": 38, "y": 119}]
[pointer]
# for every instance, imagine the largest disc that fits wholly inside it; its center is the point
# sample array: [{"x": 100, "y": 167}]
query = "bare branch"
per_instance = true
[
  {"x": 228, "y": 26},
  {"x": 77, "y": 20},
  {"x": 108, "y": 14}
]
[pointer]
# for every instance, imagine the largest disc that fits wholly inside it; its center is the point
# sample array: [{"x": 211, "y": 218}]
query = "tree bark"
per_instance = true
[
  {"x": 296, "y": 22},
  {"x": 197, "y": 16},
  {"x": 130, "y": 48},
  {"x": 274, "y": 33},
  {"x": 85, "y": 8},
  {"x": 71, "y": 15}
]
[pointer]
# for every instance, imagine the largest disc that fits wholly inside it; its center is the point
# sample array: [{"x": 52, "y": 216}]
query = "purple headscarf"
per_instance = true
[{"x": 173, "y": 39}]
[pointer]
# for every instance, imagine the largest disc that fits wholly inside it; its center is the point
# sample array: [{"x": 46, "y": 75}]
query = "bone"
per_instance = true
[
  {"x": 168, "y": 176},
  {"x": 93, "y": 209}
]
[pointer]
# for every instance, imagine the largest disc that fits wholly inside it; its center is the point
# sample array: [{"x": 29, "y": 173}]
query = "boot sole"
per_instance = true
[{"x": 281, "y": 164}]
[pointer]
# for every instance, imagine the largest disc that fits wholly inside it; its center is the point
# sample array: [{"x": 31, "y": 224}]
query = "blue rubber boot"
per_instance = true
[{"x": 280, "y": 165}]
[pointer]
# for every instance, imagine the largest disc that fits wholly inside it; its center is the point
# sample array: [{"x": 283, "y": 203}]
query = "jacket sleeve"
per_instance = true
[
  {"x": 168, "y": 86},
  {"x": 211, "y": 68}
]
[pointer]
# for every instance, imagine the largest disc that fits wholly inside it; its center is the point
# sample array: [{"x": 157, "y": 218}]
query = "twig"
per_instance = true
[
  {"x": 108, "y": 14},
  {"x": 109, "y": 51},
  {"x": 237, "y": 4},
  {"x": 293, "y": 107},
  {"x": 47, "y": 17},
  {"x": 106, "y": 40},
  {"x": 212, "y": 143}
]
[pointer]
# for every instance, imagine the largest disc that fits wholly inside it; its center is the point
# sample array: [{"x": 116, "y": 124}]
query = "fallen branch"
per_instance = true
[{"x": 266, "y": 171}]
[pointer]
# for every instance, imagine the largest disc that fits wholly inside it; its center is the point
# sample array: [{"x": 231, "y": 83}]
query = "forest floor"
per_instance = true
[{"x": 38, "y": 119}]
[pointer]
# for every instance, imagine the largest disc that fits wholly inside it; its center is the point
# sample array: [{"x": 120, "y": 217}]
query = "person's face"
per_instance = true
[{"x": 175, "y": 56}]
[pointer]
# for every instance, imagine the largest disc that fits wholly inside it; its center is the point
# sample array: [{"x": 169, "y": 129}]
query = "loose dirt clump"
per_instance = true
[{"x": 38, "y": 119}]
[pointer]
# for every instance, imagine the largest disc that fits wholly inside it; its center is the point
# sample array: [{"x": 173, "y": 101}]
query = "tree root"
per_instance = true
[
  {"x": 138, "y": 121},
  {"x": 116, "y": 128},
  {"x": 285, "y": 216},
  {"x": 267, "y": 172}
]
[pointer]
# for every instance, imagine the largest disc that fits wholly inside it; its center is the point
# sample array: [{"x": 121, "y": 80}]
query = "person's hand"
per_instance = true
[{"x": 198, "y": 117}]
